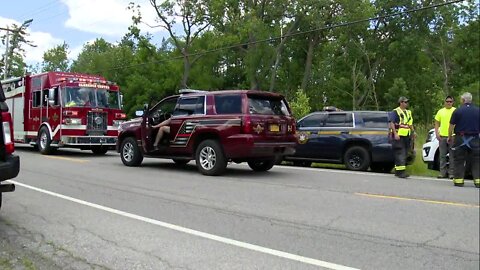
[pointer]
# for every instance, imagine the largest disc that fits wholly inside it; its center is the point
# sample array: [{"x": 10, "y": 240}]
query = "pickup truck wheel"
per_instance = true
[
  {"x": 210, "y": 158},
  {"x": 261, "y": 165},
  {"x": 44, "y": 142},
  {"x": 130, "y": 152},
  {"x": 99, "y": 150},
  {"x": 357, "y": 158}
]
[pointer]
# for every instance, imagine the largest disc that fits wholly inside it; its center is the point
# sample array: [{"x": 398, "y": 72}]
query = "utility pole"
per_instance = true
[{"x": 7, "y": 43}]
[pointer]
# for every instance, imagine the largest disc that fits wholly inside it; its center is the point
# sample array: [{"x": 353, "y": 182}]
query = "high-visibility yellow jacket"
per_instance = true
[{"x": 406, "y": 121}]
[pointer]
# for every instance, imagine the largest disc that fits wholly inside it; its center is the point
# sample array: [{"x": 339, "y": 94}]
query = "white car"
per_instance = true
[
  {"x": 431, "y": 154},
  {"x": 431, "y": 151}
]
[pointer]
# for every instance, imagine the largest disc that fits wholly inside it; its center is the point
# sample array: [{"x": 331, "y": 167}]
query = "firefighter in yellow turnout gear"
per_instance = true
[{"x": 401, "y": 126}]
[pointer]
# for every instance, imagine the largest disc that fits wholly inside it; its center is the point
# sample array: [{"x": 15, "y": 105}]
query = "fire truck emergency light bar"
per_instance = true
[{"x": 72, "y": 80}]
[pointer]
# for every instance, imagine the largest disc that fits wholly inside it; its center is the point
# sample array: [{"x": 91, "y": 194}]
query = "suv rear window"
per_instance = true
[
  {"x": 267, "y": 105},
  {"x": 339, "y": 120},
  {"x": 375, "y": 120}
]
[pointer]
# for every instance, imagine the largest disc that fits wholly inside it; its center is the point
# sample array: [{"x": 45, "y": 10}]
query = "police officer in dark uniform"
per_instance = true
[
  {"x": 463, "y": 135},
  {"x": 401, "y": 127}
]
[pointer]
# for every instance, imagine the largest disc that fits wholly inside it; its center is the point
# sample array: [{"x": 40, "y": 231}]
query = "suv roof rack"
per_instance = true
[{"x": 190, "y": 91}]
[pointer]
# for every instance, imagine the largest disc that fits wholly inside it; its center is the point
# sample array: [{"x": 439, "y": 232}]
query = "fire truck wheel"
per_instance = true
[
  {"x": 210, "y": 158},
  {"x": 130, "y": 153},
  {"x": 44, "y": 142},
  {"x": 99, "y": 150}
]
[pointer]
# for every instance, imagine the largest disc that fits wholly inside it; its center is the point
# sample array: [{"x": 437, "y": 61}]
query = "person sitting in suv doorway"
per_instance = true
[{"x": 163, "y": 128}]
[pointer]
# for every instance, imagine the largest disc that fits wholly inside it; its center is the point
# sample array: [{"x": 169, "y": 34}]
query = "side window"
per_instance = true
[
  {"x": 167, "y": 106},
  {"x": 316, "y": 120},
  {"x": 375, "y": 120},
  {"x": 45, "y": 94},
  {"x": 36, "y": 98},
  {"x": 228, "y": 104},
  {"x": 339, "y": 120},
  {"x": 190, "y": 105}
]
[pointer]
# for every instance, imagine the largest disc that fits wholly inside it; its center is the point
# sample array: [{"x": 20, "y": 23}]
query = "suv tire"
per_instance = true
[
  {"x": 44, "y": 142},
  {"x": 210, "y": 158},
  {"x": 130, "y": 153},
  {"x": 261, "y": 165},
  {"x": 357, "y": 158}
]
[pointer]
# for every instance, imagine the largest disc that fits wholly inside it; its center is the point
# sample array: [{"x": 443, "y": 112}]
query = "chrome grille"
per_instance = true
[{"x": 97, "y": 123}]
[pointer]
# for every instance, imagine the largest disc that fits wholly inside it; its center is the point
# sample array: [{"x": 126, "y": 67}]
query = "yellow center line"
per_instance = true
[
  {"x": 417, "y": 200},
  {"x": 69, "y": 159}
]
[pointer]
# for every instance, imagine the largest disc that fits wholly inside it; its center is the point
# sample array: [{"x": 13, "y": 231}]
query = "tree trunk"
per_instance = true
[
  {"x": 308, "y": 62},
  {"x": 278, "y": 55}
]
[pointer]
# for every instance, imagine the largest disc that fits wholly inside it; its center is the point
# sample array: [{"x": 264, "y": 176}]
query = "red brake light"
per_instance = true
[
  {"x": 8, "y": 133},
  {"x": 246, "y": 125}
]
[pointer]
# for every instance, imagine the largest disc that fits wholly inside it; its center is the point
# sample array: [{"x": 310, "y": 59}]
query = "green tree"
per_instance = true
[
  {"x": 56, "y": 58},
  {"x": 300, "y": 105},
  {"x": 17, "y": 38}
]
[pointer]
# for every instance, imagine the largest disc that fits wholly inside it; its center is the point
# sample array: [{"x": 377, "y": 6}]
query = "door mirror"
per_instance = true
[
  {"x": 139, "y": 113},
  {"x": 145, "y": 107}
]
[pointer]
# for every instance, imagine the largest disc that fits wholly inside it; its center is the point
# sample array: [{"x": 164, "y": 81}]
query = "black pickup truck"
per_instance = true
[{"x": 9, "y": 163}]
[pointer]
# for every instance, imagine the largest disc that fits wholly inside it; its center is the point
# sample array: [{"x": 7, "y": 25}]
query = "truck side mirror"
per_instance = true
[{"x": 139, "y": 113}]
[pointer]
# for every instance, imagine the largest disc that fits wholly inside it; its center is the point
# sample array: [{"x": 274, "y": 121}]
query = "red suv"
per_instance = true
[
  {"x": 213, "y": 128},
  {"x": 9, "y": 163}
]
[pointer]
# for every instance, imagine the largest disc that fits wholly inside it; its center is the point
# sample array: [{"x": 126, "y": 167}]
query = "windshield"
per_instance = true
[{"x": 90, "y": 97}]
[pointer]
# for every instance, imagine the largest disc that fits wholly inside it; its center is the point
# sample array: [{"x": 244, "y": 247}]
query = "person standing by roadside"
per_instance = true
[
  {"x": 401, "y": 126},
  {"x": 442, "y": 123},
  {"x": 465, "y": 123}
]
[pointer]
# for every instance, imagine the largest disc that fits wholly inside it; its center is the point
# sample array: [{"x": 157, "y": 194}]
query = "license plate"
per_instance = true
[{"x": 274, "y": 128}]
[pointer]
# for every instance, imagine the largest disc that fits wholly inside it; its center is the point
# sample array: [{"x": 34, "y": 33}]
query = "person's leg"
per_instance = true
[
  {"x": 475, "y": 161},
  {"x": 159, "y": 136},
  {"x": 459, "y": 161},
  {"x": 443, "y": 147}
]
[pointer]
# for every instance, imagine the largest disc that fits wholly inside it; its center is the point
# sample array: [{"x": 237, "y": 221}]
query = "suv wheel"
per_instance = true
[
  {"x": 210, "y": 158},
  {"x": 130, "y": 153},
  {"x": 261, "y": 165},
  {"x": 44, "y": 142},
  {"x": 357, "y": 158}
]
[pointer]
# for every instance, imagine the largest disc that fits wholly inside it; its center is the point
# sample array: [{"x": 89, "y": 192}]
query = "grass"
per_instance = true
[{"x": 419, "y": 167}]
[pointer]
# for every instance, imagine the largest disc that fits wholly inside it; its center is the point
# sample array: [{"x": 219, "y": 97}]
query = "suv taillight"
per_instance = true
[
  {"x": 8, "y": 134},
  {"x": 246, "y": 125}
]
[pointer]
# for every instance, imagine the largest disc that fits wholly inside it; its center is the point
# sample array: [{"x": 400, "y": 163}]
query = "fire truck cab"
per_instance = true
[{"x": 59, "y": 109}]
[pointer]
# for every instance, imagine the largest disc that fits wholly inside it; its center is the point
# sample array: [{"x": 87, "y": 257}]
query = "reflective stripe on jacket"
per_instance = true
[{"x": 406, "y": 121}]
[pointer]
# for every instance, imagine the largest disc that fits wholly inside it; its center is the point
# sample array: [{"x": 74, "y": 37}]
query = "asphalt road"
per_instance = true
[{"x": 74, "y": 210}]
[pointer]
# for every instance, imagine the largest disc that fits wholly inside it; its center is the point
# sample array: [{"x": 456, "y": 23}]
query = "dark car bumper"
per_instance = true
[{"x": 10, "y": 168}]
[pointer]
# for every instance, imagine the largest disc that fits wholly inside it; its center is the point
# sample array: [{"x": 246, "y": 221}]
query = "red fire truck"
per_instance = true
[{"x": 59, "y": 109}]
